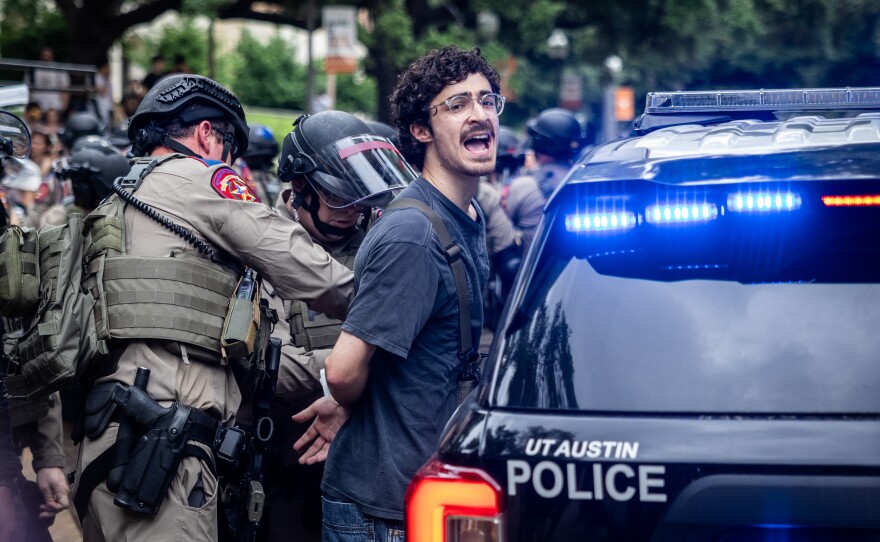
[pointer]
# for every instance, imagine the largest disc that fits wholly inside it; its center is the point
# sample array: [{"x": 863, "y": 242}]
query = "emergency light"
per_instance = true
[
  {"x": 681, "y": 213},
  {"x": 763, "y": 202},
  {"x": 865, "y": 200},
  {"x": 583, "y": 222},
  {"x": 808, "y": 99}
]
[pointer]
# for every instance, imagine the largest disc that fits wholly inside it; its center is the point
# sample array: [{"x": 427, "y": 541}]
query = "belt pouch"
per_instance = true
[{"x": 241, "y": 325}]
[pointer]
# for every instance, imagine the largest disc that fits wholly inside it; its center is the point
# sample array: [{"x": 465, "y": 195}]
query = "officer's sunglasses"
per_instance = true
[
  {"x": 228, "y": 136},
  {"x": 462, "y": 105}
]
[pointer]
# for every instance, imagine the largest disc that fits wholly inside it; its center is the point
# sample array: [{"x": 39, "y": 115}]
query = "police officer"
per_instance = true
[
  {"x": 331, "y": 198},
  {"x": 91, "y": 170},
  {"x": 556, "y": 138},
  {"x": 80, "y": 125},
  {"x": 193, "y": 219},
  {"x": 509, "y": 158}
]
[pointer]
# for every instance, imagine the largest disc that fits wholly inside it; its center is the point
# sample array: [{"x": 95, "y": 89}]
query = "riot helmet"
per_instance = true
[
  {"x": 93, "y": 142},
  {"x": 343, "y": 162},
  {"x": 338, "y": 153},
  {"x": 187, "y": 98},
  {"x": 119, "y": 135},
  {"x": 555, "y": 132},
  {"x": 262, "y": 147},
  {"x": 509, "y": 157},
  {"x": 384, "y": 130},
  {"x": 80, "y": 125},
  {"x": 91, "y": 171}
]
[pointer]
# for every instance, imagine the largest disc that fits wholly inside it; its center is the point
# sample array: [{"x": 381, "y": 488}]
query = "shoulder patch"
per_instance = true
[{"x": 228, "y": 184}]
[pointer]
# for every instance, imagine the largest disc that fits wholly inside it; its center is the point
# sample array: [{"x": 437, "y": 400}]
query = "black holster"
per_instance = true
[
  {"x": 154, "y": 463},
  {"x": 154, "y": 440}
]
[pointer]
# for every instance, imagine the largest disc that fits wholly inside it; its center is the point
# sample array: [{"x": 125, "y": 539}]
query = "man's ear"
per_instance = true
[
  {"x": 421, "y": 132},
  {"x": 203, "y": 134}
]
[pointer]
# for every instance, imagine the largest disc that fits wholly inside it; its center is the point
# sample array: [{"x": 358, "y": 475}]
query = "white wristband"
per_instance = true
[{"x": 324, "y": 383}]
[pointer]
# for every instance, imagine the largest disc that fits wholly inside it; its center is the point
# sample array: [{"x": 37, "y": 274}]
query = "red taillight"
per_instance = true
[
  {"x": 451, "y": 504},
  {"x": 865, "y": 200}
]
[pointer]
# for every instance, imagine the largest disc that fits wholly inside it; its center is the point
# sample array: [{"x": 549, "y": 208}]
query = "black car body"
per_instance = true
[{"x": 691, "y": 351}]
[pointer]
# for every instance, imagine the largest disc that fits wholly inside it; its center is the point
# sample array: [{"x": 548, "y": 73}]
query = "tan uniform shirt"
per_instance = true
[
  {"x": 184, "y": 190},
  {"x": 499, "y": 230},
  {"x": 526, "y": 197},
  {"x": 299, "y": 374},
  {"x": 202, "y": 200}
]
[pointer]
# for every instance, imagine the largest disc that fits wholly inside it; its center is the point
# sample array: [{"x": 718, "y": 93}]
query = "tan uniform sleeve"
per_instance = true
[
  {"x": 299, "y": 373},
  {"x": 252, "y": 233},
  {"x": 47, "y": 442},
  {"x": 499, "y": 229}
]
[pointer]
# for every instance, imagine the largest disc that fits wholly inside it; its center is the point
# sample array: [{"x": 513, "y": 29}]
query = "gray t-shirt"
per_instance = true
[{"x": 406, "y": 305}]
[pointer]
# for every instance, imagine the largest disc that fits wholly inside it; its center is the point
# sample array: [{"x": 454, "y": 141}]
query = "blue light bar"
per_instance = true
[
  {"x": 802, "y": 99},
  {"x": 681, "y": 213},
  {"x": 763, "y": 202},
  {"x": 595, "y": 222}
]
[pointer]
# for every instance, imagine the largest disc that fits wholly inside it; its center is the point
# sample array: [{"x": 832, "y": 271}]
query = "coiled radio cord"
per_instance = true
[{"x": 174, "y": 228}]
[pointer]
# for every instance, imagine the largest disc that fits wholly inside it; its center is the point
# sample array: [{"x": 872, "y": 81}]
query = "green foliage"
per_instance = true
[
  {"x": 27, "y": 25},
  {"x": 393, "y": 32},
  {"x": 268, "y": 75},
  {"x": 183, "y": 37},
  {"x": 356, "y": 93}
]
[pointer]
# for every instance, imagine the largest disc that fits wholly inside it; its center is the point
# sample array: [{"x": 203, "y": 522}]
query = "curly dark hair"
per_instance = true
[{"x": 422, "y": 82}]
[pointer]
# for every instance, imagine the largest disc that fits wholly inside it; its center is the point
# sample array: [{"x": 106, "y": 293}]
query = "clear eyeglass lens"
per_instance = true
[{"x": 459, "y": 106}]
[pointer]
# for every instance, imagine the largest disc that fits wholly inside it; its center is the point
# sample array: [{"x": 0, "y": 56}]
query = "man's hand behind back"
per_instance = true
[
  {"x": 53, "y": 485},
  {"x": 328, "y": 418}
]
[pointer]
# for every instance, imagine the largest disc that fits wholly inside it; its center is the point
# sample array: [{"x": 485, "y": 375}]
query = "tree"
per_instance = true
[{"x": 267, "y": 75}]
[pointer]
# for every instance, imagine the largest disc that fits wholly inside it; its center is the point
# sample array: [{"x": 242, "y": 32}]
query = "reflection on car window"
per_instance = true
[{"x": 590, "y": 341}]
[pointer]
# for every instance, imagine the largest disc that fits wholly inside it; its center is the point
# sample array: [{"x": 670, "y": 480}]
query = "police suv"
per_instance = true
[{"x": 692, "y": 349}]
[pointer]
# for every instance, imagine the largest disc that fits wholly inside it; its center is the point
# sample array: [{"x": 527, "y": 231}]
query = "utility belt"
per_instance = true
[{"x": 151, "y": 442}]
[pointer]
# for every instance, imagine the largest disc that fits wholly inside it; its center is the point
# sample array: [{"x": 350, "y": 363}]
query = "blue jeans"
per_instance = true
[{"x": 344, "y": 522}]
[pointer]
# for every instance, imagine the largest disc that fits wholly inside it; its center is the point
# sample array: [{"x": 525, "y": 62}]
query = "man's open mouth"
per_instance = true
[{"x": 477, "y": 143}]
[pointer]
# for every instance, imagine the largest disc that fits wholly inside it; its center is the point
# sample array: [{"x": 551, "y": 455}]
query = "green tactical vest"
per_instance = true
[
  {"x": 182, "y": 299},
  {"x": 312, "y": 330}
]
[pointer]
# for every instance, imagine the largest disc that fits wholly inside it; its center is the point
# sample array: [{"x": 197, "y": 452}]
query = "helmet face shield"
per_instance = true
[{"x": 365, "y": 170}]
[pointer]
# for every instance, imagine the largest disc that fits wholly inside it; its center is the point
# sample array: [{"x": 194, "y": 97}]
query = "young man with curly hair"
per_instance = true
[{"x": 393, "y": 371}]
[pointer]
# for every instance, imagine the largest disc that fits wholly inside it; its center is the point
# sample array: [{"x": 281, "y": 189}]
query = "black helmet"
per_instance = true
[
  {"x": 80, "y": 125},
  {"x": 92, "y": 171},
  {"x": 93, "y": 142},
  {"x": 555, "y": 132},
  {"x": 509, "y": 156},
  {"x": 171, "y": 98},
  {"x": 339, "y": 154},
  {"x": 382, "y": 129},
  {"x": 119, "y": 135},
  {"x": 262, "y": 146}
]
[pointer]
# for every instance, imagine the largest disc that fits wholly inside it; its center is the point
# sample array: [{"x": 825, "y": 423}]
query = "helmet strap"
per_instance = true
[
  {"x": 312, "y": 207},
  {"x": 225, "y": 150},
  {"x": 179, "y": 147}
]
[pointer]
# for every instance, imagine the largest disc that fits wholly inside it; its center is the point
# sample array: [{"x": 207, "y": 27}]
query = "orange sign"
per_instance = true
[
  {"x": 340, "y": 64},
  {"x": 624, "y": 104},
  {"x": 506, "y": 75}
]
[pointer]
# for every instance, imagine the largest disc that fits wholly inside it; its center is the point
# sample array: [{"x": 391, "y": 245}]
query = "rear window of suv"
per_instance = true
[{"x": 742, "y": 311}]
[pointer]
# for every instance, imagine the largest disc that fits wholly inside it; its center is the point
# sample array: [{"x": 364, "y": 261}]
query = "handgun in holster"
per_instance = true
[{"x": 154, "y": 461}]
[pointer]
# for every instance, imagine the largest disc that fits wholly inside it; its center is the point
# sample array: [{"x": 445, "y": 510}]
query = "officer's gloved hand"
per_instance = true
[{"x": 53, "y": 485}]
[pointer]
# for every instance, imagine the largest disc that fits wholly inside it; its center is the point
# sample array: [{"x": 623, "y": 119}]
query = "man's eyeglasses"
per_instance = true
[{"x": 462, "y": 105}]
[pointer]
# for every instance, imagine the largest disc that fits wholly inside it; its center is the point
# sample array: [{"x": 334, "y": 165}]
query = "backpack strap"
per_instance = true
[{"x": 453, "y": 257}]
